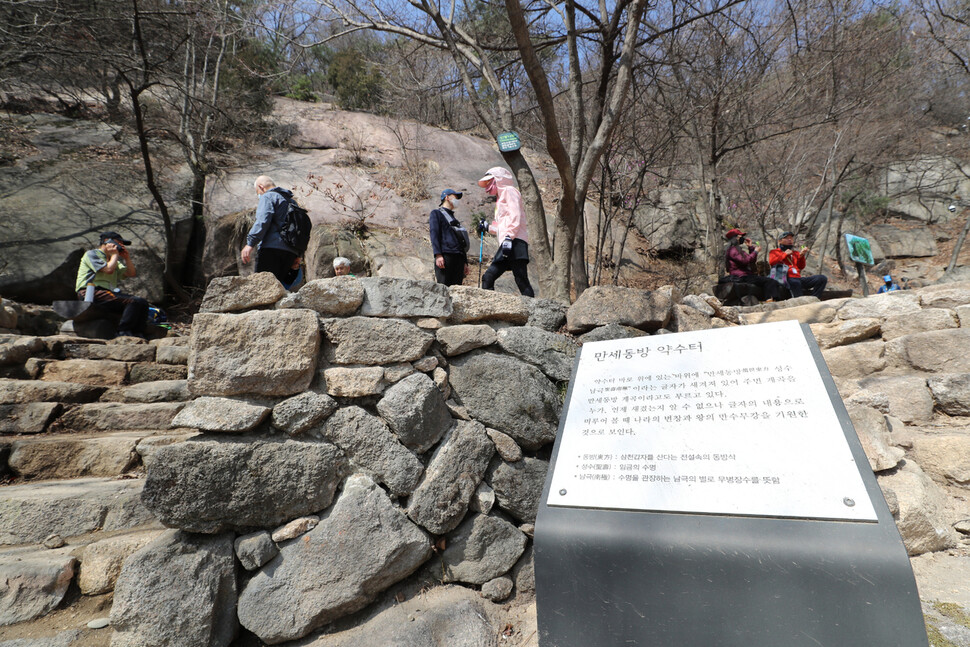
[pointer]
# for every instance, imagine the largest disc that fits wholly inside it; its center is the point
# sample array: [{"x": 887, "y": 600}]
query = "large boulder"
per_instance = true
[
  {"x": 261, "y": 352},
  {"x": 923, "y": 321},
  {"x": 481, "y": 549},
  {"x": 364, "y": 545},
  {"x": 235, "y": 293},
  {"x": 881, "y": 306},
  {"x": 416, "y": 412},
  {"x": 944, "y": 457},
  {"x": 29, "y": 418},
  {"x": 441, "y": 500},
  {"x": 936, "y": 351},
  {"x": 178, "y": 590},
  {"x": 211, "y": 484},
  {"x": 395, "y": 297},
  {"x": 602, "y": 305},
  {"x": 456, "y": 340},
  {"x": 907, "y": 396},
  {"x": 547, "y": 314},
  {"x": 904, "y": 243},
  {"x": 945, "y": 297},
  {"x": 74, "y": 456},
  {"x": 509, "y": 395},
  {"x": 33, "y": 584},
  {"x": 372, "y": 448},
  {"x": 856, "y": 360},
  {"x": 922, "y": 518},
  {"x": 371, "y": 341},
  {"x": 336, "y": 297},
  {"x": 553, "y": 354}
]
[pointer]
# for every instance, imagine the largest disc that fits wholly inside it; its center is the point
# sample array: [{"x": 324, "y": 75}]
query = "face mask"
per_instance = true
[{"x": 787, "y": 247}]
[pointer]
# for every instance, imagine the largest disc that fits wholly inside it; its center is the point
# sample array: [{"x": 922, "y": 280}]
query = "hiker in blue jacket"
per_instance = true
[
  {"x": 272, "y": 254},
  {"x": 449, "y": 241}
]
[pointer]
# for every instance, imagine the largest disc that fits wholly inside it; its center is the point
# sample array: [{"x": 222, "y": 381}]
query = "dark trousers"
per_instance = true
[
  {"x": 277, "y": 261},
  {"x": 769, "y": 287},
  {"x": 454, "y": 272},
  {"x": 813, "y": 286},
  {"x": 520, "y": 272},
  {"x": 134, "y": 310}
]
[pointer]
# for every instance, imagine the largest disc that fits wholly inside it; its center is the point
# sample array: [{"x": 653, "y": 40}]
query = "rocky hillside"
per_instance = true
[{"x": 314, "y": 468}]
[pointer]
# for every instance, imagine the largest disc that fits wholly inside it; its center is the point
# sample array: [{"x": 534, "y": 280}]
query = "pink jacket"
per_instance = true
[{"x": 510, "y": 218}]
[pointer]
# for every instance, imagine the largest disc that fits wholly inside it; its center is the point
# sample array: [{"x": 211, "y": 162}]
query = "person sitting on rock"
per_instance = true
[
  {"x": 341, "y": 266},
  {"x": 740, "y": 261},
  {"x": 786, "y": 255},
  {"x": 888, "y": 285},
  {"x": 103, "y": 268}
]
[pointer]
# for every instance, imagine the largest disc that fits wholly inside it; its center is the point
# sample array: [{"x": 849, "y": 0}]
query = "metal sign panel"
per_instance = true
[
  {"x": 509, "y": 141},
  {"x": 732, "y": 421}
]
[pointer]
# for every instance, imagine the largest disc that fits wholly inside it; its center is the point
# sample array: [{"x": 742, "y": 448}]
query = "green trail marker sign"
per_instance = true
[{"x": 508, "y": 142}]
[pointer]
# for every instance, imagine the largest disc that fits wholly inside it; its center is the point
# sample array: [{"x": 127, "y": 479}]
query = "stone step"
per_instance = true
[
  {"x": 118, "y": 416},
  {"x": 118, "y": 352},
  {"x": 31, "y": 512},
  {"x": 74, "y": 455},
  {"x": 38, "y": 580},
  {"x": 28, "y": 418},
  {"x": 25, "y": 391},
  {"x": 148, "y": 392}
]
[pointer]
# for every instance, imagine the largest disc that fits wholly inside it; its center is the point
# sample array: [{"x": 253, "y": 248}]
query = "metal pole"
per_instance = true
[
  {"x": 862, "y": 277},
  {"x": 481, "y": 239}
]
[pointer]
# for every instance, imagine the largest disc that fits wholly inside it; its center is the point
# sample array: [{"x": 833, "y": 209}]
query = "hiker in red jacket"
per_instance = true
[{"x": 786, "y": 255}]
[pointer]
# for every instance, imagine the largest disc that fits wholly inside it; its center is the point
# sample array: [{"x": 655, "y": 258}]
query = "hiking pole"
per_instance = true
[{"x": 481, "y": 243}]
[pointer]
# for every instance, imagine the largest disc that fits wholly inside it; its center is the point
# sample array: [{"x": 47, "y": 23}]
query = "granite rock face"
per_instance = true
[
  {"x": 364, "y": 545},
  {"x": 271, "y": 353},
  {"x": 209, "y": 485},
  {"x": 508, "y": 395},
  {"x": 178, "y": 590},
  {"x": 553, "y": 354}
]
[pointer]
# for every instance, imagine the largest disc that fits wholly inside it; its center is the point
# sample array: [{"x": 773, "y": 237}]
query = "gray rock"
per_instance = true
[
  {"x": 235, "y": 293},
  {"x": 426, "y": 364},
  {"x": 505, "y": 445},
  {"x": 211, "y": 484},
  {"x": 473, "y": 305},
  {"x": 483, "y": 500},
  {"x": 17, "y": 350},
  {"x": 99, "y": 623},
  {"x": 481, "y": 549},
  {"x": 25, "y": 391},
  {"x": 172, "y": 355},
  {"x": 295, "y": 528},
  {"x": 923, "y": 321},
  {"x": 699, "y": 303},
  {"x": 152, "y": 372},
  {"x": 685, "y": 319},
  {"x": 524, "y": 572},
  {"x": 96, "y": 372},
  {"x": 455, "y": 340},
  {"x": 546, "y": 314},
  {"x": 602, "y": 305},
  {"x": 334, "y": 297},
  {"x": 952, "y": 393},
  {"x": 31, "y": 418},
  {"x": 32, "y": 511},
  {"x": 498, "y": 589},
  {"x": 178, "y": 590},
  {"x": 444, "y": 616},
  {"x": 372, "y": 342},
  {"x": 54, "y": 541},
  {"x": 441, "y": 500},
  {"x": 856, "y": 360},
  {"x": 553, "y": 354},
  {"x": 148, "y": 445},
  {"x": 396, "y": 297},
  {"x": 73, "y": 456},
  {"x": 255, "y": 549},
  {"x": 440, "y": 377},
  {"x": 415, "y": 410},
  {"x": 101, "y": 561},
  {"x": 528, "y": 412},
  {"x": 33, "y": 584},
  {"x": 397, "y": 372},
  {"x": 518, "y": 486},
  {"x": 945, "y": 297},
  {"x": 261, "y": 352},
  {"x": 904, "y": 243},
  {"x": 922, "y": 519},
  {"x": 881, "y": 306},
  {"x": 372, "y": 448},
  {"x": 944, "y": 457},
  {"x": 117, "y": 352},
  {"x": 221, "y": 415},
  {"x": 364, "y": 545},
  {"x": 347, "y": 382},
  {"x": 148, "y": 392},
  {"x": 937, "y": 351},
  {"x": 843, "y": 332},
  {"x": 302, "y": 412},
  {"x": 114, "y": 416},
  {"x": 870, "y": 426},
  {"x": 907, "y": 396},
  {"x": 609, "y": 332}
]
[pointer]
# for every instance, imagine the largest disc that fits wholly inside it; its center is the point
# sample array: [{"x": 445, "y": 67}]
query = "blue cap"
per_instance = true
[
  {"x": 447, "y": 192},
  {"x": 888, "y": 278}
]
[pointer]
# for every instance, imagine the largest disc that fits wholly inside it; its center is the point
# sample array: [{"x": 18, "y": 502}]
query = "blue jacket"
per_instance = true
[
  {"x": 444, "y": 240},
  {"x": 270, "y": 212}
]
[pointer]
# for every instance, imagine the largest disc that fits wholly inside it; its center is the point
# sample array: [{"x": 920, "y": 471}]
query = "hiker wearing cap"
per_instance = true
[
  {"x": 740, "y": 260},
  {"x": 272, "y": 254},
  {"x": 888, "y": 285},
  {"x": 510, "y": 228},
  {"x": 99, "y": 274},
  {"x": 449, "y": 241},
  {"x": 794, "y": 262}
]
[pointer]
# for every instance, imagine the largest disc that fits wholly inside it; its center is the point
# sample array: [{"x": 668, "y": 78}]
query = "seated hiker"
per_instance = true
[
  {"x": 794, "y": 262},
  {"x": 103, "y": 268},
  {"x": 740, "y": 261},
  {"x": 888, "y": 285}
]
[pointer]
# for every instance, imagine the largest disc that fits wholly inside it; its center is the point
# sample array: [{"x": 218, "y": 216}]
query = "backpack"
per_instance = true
[
  {"x": 779, "y": 273},
  {"x": 460, "y": 232},
  {"x": 295, "y": 227}
]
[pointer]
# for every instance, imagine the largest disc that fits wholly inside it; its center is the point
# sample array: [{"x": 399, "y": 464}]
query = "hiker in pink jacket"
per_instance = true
[{"x": 510, "y": 228}]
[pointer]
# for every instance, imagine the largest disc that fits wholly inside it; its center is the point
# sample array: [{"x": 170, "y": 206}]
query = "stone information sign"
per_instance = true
[{"x": 732, "y": 421}]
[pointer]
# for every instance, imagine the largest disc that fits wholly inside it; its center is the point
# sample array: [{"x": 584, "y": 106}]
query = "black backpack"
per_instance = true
[{"x": 295, "y": 226}]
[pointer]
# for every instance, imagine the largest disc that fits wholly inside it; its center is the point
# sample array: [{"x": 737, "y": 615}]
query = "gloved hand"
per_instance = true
[{"x": 482, "y": 227}]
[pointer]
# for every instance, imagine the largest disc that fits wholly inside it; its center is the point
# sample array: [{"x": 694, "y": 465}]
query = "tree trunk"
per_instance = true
[{"x": 958, "y": 246}]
